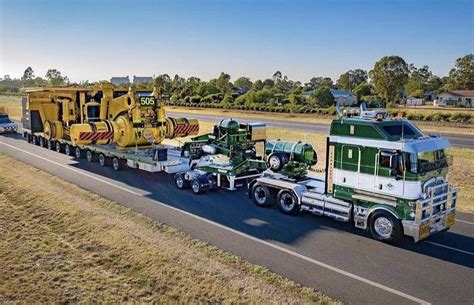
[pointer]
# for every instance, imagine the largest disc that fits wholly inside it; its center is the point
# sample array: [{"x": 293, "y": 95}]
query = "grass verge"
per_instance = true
[{"x": 60, "y": 243}]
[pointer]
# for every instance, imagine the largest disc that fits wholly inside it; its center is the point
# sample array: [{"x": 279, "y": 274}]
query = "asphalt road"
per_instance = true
[
  {"x": 457, "y": 140},
  {"x": 333, "y": 257}
]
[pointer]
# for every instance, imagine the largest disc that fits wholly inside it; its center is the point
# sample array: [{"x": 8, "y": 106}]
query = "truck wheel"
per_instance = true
[
  {"x": 212, "y": 182},
  {"x": 276, "y": 161},
  {"x": 385, "y": 227},
  {"x": 41, "y": 141},
  {"x": 67, "y": 150},
  {"x": 117, "y": 164},
  {"x": 288, "y": 202},
  {"x": 261, "y": 195},
  {"x": 91, "y": 156},
  {"x": 196, "y": 186},
  {"x": 78, "y": 153},
  {"x": 181, "y": 181},
  {"x": 58, "y": 147},
  {"x": 102, "y": 160}
]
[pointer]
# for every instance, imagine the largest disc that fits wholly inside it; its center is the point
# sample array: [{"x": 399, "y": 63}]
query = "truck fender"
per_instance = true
[{"x": 378, "y": 208}]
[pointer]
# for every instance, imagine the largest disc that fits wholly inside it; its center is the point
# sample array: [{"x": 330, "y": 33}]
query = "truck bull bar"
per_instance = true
[{"x": 433, "y": 214}]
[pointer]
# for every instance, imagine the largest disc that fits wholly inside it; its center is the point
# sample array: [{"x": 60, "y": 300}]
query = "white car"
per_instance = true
[{"x": 7, "y": 125}]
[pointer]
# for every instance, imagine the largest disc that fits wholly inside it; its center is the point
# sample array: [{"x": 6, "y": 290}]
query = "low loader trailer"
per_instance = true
[{"x": 383, "y": 175}]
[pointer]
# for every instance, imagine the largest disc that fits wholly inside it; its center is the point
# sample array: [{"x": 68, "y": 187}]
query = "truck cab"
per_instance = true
[
  {"x": 6, "y": 124},
  {"x": 382, "y": 173}
]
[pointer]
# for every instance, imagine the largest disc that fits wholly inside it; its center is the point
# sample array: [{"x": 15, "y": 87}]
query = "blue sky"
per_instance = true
[{"x": 95, "y": 40}]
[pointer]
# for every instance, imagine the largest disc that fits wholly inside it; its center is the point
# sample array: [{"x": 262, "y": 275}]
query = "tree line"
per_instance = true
[{"x": 388, "y": 81}]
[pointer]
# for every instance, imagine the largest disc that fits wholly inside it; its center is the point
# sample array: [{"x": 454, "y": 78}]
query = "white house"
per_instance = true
[
  {"x": 455, "y": 98},
  {"x": 413, "y": 101}
]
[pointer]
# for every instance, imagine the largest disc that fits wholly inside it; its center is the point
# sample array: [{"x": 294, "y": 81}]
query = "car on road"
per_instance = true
[{"x": 6, "y": 124}]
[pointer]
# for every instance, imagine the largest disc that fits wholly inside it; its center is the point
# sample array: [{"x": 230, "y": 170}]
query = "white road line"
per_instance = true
[
  {"x": 463, "y": 221},
  {"x": 451, "y": 248},
  {"x": 266, "y": 243}
]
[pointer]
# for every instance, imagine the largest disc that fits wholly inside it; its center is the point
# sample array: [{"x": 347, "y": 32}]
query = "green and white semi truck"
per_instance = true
[{"x": 382, "y": 174}]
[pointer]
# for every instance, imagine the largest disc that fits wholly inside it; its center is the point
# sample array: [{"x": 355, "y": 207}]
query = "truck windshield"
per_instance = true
[{"x": 427, "y": 161}]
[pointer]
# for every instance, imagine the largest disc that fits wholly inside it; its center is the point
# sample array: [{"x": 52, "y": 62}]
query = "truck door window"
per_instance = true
[{"x": 384, "y": 159}]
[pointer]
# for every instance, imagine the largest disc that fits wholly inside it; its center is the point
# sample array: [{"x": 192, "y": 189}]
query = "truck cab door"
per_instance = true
[{"x": 388, "y": 173}]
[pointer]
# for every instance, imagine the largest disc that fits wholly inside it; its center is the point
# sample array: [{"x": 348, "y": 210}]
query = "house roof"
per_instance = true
[
  {"x": 142, "y": 79},
  {"x": 120, "y": 80},
  {"x": 462, "y": 93},
  {"x": 335, "y": 92}
]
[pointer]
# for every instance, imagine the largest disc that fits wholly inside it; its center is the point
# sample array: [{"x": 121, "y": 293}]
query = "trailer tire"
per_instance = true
[
  {"x": 58, "y": 147},
  {"x": 276, "y": 161},
  {"x": 34, "y": 140},
  {"x": 91, "y": 156},
  {"x": 67, "y": 150},
  {"x": 212, "y": 182},
  {"x": 261, "y": 195},
  {"x": 50, "y": 144},
  {"x": 181, "y": 181},
  {"x": 287, "y": 202},
  {"x": 117, "y": 164},
  {"x": 103, "y": 160},
  {"x": 385, "y": 227},
  {"x": 196, "y": 186},
  {"x": 41, "y": 141},
  {"x": 78, "y": 153}
]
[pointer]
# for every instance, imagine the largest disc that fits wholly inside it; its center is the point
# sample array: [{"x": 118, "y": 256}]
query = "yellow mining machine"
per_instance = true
[{"x": 101, "y": 115}]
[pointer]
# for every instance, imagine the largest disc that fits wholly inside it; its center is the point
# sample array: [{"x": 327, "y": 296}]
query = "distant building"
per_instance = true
[
  {"x": 120, "y": 81},
  {"x": 344, "y": 98},
  {"x": 455, "y": 98},
  {"x": 240, "y": 90},
  {"x": 413, "y": 101},
  {"x": 142, "y": 79}
]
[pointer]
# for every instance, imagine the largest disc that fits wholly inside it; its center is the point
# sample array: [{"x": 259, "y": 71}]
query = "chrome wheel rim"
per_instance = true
[
  {"x": 383, "y": 227},
  {"x": 67, "y": 150},
  {"x": 195, "y": 186},
  {"x": 102, "y": 160},
  {"x": 78, "y": 153},
  {"x": 260, "y": 196},
  {"x": 287, "y": 202},
  {"x": 89, "y": 156},
  {"x": 115, "y": 163},
  {"x": 179, "y": 181},
  {"x": 58, "y": 147}
]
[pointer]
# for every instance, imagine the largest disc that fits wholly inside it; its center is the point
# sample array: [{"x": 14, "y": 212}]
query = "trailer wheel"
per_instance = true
[
  {"x": 34, "y": 140},
  {"x": 67, "y": 149},
  {"x": 276, "y": 161},
  {"x": 117, "y": 164},
  {"x": 181, "y": 181},
  {"x": 288, "y": 202},
  {"x": 58, "y": 147},
  {"x": 102, "y": 160},
  {"x": 91, "y": 156},
  {"x": 212, "y": 182},
  {"x": 196, "y": 186},
  {"x": 41, "y": 141},
  {"x": 261, "y": 195},
  {"x": 385, "y": 227},
  {"x": 51, "y": 145},
  {"x": 78, "y": 153}
]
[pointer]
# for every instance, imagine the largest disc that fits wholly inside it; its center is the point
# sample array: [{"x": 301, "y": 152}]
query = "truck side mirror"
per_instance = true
[{"x": 394, "y": 161}]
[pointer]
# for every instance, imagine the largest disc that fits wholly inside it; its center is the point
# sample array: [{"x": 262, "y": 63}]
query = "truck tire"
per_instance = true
[
  {"x": 385, "y": 227},
  {"x": 181, "y": 181},
  {"x": 58, "y": 147},
  {"x": 287, "y": 202},
  {"x": 117, "y": 164},
  {"x": 91, "y": 156},
  {"x": 196, "y": 186},
  {"x": 276, "y": 161},
  {"x": 212, "y": 182},
  {"x": 261, "y": 195},
  {"x": 78, "y": 153}
]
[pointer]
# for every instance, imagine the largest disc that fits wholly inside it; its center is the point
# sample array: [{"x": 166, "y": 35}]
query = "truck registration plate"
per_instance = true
[
  {"x": 450, "y": 218},
  {"x": 425, "y": 230}
]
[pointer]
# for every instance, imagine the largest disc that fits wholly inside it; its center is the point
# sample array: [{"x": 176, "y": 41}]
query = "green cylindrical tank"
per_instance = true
[
  {"x": 229, "y": 126},
  {"x": 296, "y": 151}
]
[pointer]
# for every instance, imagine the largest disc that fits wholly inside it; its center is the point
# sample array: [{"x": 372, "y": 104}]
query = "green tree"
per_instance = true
[
  {"x": 362, "y": 90},
  {"x": 28, "y": 75},
  {"x": 243, "y": 82},
  {"x": 55, "y": 78},
  {"x": 388, "y": 76},
  {"x": 258, "y": 85},
  {"x": 461, "y": 77},
  {"x": 319, "y": 81},
  {"x": 268, "y": 83},
  {"x": 352, "y": 79},
  {"x": 223, "y": 83},
  {"x": 323, "y": 97},
  {"x": 163, "y": 84}
]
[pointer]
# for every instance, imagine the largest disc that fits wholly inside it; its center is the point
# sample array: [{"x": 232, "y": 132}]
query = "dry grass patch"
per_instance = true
[{"x": 59, "y": 243}]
